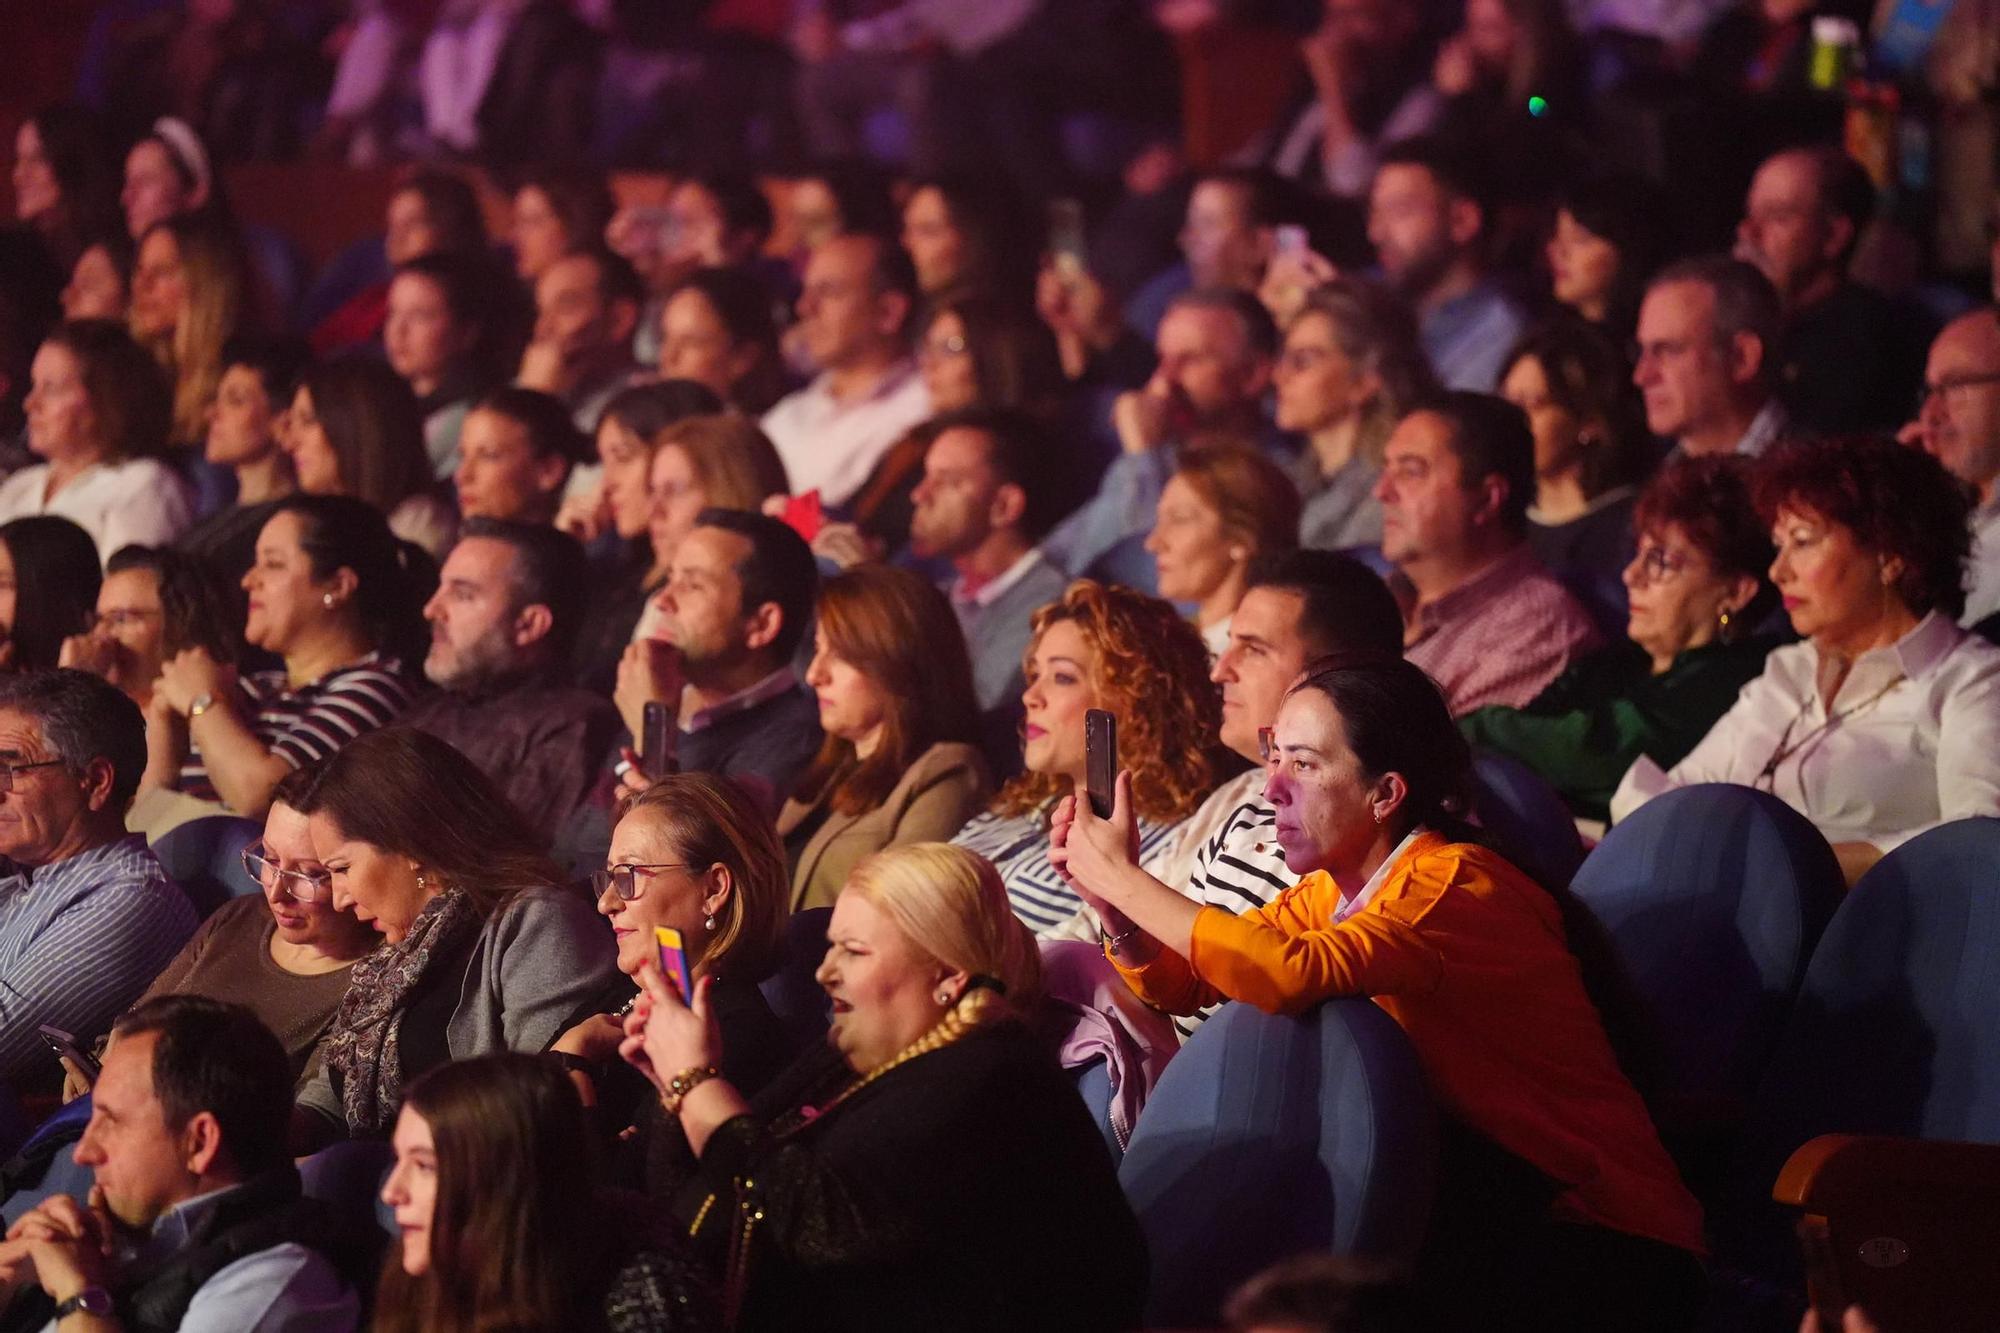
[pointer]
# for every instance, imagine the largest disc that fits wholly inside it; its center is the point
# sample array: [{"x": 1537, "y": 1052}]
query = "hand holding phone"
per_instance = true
[
  {"x": 673, "y": 962},
  {"x": 1100, "y": 760},
  {"x": 73, "y": 1057}
]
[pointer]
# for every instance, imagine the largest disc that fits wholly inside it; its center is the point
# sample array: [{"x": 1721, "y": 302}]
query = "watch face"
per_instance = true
[{"x": 94, "y": 1300}]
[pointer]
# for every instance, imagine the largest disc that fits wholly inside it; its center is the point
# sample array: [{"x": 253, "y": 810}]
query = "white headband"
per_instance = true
[{"x": 181, "y": 140}]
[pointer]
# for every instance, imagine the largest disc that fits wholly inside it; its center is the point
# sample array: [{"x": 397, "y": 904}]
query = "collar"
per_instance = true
[
  {"x": 1592, "y": 506},
  {"x": 173, "y": 1230},
  {"x": 1484, "y": 586},
  {"x": 996, "y": 587},
  {"x": 1375, "y": 881},
  {"x": 765, "y": 690},
  {"x": 24, "y": 876},
  {"x": 890, "y": 382},
  {"x": 1765, "y": 428},
  {"x": 1919, "y": 652}
]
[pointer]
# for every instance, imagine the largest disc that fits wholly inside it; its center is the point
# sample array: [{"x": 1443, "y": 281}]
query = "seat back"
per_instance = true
[
  {"x": 1525, "y": 820},
  {"x": 795, "y": 998},
  {"x": 1696, "y": 918},
  {"x": 205, "y": 857},
  {"x": 1270, "y": 1136}
]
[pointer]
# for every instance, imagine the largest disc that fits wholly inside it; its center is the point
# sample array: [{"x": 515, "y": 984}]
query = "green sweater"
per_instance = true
[{"x": 1598, "y": 717}]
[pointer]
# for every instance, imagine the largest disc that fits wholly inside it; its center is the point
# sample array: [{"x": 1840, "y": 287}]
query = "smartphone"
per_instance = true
[
  {"x": 1100, "y": 760},
  {"x": 804, "y": 515},
  {"x": 1290, "y": 240},
  {"x": 656, "y": 741},
  {"x": 64, "y": 1044},
  {"x": 1068, "y": 239},
  {"x": 674, "y": 961}
]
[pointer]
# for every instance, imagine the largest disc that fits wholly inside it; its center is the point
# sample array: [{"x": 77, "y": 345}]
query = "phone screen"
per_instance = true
[
  {"x": 1066, "y": 236},
  {"x": 656, "y": 746},
  {"x": 804, "y": 515},
  {"x": 673, "y": 961},
  {"x": 1100, "y": 760}
]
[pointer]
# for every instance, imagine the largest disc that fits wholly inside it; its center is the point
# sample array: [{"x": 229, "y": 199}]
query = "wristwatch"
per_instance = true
[
  {"x": 91, "y": 1300},
  {"x": 200, "y": 704}
]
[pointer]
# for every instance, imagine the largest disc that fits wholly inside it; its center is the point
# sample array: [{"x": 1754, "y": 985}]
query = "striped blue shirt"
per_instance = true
[
  {"x": 1018, "y": 847},
  {"x": 80, "y": 940}
]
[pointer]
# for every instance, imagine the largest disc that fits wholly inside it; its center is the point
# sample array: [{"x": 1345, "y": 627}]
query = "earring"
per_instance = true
[
  {"x": 326, "y": 600},
  {"x": 1237, "y": 555},
  {"x": 944, "y": 998},
  {"x": 1722, "y": 622},
  {"x": 420, "y": 881},
  {"x": 710, "y": 921}
]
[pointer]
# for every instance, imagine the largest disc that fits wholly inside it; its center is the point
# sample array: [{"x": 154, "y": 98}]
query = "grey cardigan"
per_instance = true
[{"x": 532, "y": 968}]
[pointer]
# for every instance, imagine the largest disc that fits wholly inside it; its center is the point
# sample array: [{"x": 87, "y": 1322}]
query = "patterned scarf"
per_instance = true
[{"x": 363, "y": 1047}]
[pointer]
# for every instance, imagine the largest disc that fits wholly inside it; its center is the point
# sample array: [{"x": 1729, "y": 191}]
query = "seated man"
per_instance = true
[
  {"x": 1707, "y": 357},
  {"x": 1481, "y": 615},
  {"x": 502, "y": 624},
  {"x": 87, "y": 916},
  {"x": 515, "y": 452},
  {"x": 1299, "y": 606},
  {"x": 586, "y": 310},
  {"x": 200, "y": 1225},
  {"x": 1958, "y": 423}
]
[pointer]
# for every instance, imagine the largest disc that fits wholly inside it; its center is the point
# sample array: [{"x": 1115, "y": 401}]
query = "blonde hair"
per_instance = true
[
  {"x": 735, "y": 462},
  {"x": 217, "y": 278},
  {"x": 710, "y": 821}
]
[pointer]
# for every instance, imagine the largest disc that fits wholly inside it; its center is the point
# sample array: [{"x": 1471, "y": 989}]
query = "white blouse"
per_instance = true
[
  {"x": 1912, "y": 739},
  {"x": 139, "y": 500}
]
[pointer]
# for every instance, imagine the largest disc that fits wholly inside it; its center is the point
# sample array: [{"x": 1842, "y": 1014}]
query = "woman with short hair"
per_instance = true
[{"x": 1224, "y": 506}]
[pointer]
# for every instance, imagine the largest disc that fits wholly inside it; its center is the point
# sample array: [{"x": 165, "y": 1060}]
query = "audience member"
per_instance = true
[
  {"x": 1224, "y": 507},
  {"x": 556, "y": 213},
  {"x": 355, "y": 430},
  {"x": 285, "y": 955},
  {"x": 586, "y": 310},
  {"x": 1225, "y": 242},
  {"x": 855, "y": 315},
  {"x": 1369, "y": 63},
  {"x": 154, "y": 604},
  {"x": 733, "y": 613},
  {"x": 900, "y": 761},
  {"x": 933, "y": 984},
  {"x": 497, "y": 1219},
  {"x": 332, "y": 595},
  {"x": 1882, "y": 722},
  {"x": 1429, "y": 224},
  {"x": 98, "y": 411},
  {"x": 515, "y": 449},
  {"x": 167, "y": 173},
  {"x": 438, "y": 328},
  {"x": 100, "y": 282},
  {"x": 503, "y": 626},
  {"x": 693, "y": 853},
  {"x": 187, "y": 1140},
  {"x": 1707, "y": 355},
  {"x": 838, "y": 197},
  {"x": 1697, "y": 586},
  {"x": 484, "y": 948},
  {"x": 432, "y": 212},
  {"x": 1481, "y": 614},
  {"x": 48, "y": 589},
  {"x": 191, "y": 292},
  {"x": 245, "y": 423},
  {"x": 985, "y": 351},
  {"x": 87, "y": 917},
  {"x": 1350, "y": 369},
  {"x": 1131, "y": 655},
  {"x": 1607, "y": 240},
  {"x": 716, "y": 328},
  {"x": 1366, "y": 768},
  {"x": 1958, "y": 423},
  {"x": 65, "y": 181},
  {"x": 967, "y": 237},
  {"x": 990, "y": 486},
  {"x": 1848, "y": 358},
  {"x": 721, "y": 461}
]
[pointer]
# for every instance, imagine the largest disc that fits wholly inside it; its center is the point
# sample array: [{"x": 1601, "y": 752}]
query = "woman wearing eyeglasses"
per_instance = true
[
  {"x": 695, "y": 853},
  {"x": 288, "y": 954},
  {"x": 1695, "y": 586},
  {"x": 1886, "y": 720}
]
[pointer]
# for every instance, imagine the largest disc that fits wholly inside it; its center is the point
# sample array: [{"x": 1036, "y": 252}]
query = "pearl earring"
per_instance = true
[
  {"x": 710, "y": 922},
  {"x": 326, "y": 600},
  {"x": 944, "y": 997}
]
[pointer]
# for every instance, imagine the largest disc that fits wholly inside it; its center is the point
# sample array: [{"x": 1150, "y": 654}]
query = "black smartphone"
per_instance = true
[
  {"x": 63, "y": 1044},
  {"x": 1100, "y": 759},
  {"x": 656, "y": 743}
]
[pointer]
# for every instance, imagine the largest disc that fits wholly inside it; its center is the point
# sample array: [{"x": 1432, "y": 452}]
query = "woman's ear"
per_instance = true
[
  {"x": 717, "y": 885},
  {"x": 1742, "y": 591},
  {"x": 1388, "y": 797}
]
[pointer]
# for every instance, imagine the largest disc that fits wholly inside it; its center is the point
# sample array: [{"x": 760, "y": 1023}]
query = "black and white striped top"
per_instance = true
[
  {"x": 1241, "y": 867},
  {"x": 310, "y": 723},
  {"x": 1018, "y": 847}
]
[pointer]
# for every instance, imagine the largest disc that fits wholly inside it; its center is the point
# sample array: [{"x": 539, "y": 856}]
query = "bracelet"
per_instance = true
[
  {"x": 1116, "y": 943},
  {"x": 576, "y": 1064},
  {"x": 681, "y": 1084}
]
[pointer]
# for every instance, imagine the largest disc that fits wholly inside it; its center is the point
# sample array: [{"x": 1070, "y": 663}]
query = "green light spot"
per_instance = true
[{"x": 1538, "y": 106}]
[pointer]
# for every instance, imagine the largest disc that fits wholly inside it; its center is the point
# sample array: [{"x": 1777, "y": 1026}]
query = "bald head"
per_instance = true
[
  {"x": 1958, "y": 422},
  {"x": 1801, "y": 219}
]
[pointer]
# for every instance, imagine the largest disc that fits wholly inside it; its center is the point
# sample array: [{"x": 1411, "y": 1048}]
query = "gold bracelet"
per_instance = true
[{"x": 681, "y": 1084}]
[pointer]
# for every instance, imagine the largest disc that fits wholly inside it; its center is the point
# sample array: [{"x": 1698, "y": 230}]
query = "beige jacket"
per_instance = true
[{"x": 946, "y": 786}]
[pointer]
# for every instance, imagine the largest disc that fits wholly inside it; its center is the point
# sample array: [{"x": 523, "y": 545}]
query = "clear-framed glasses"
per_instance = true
[
  {"x": 1267, "y": 745},
  {"x": 7, "y": 771},
  {"x": 623, "y": 880},
  {"x": 1657, "y": 562},
  {"x": 305, "y": 886}
]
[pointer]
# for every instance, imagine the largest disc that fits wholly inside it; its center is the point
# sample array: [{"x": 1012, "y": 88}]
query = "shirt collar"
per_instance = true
[
  {"x": 890, "y": 381},
  {"x": 1376, "y": 880},
  {"x": 25, "y": 875},
  {"x": 172, "y": 1229},
  {"x": 743, "y": 701},
  {"x": 996, "y": 587},
  {"x": 1918, "y": 653}
]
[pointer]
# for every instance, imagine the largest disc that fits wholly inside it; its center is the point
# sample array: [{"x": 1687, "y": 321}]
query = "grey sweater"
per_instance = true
[{"x": 532, "y": 967}]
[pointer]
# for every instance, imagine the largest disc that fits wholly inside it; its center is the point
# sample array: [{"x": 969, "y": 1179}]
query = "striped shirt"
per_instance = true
[
  {"x": 1241, "y": 867},
  {"x": 1018, "y": 847},
  {"x": 80, "y": 940},
  {"x": 312, "y": 722}
]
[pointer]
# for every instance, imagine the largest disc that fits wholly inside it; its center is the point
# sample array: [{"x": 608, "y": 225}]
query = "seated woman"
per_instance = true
[
  {"x": 499, "y": 1228},
  {"x": 1564, "y": 1184},
  {"x": 100, "y": 282},
  {"x": 485, "y": 948},
  {"x": 716, "y": 329},
  {"x": 244, "y": 425},
  {"x": 979, "y": 351},
  {"x": 335, "y": 596},
  {"x": 1350, "y": 368},
  {"x": 931, "y": 1167},
  {"x": 901, "y": 761},
  {"x": 437, "y": 337},
  {"x": 286, "y": 955},
  {"x": 1591, "y": 450},
  {"x": 355, "y": 430},
  {"x": 1886, "y": 720},
  {"x": 1223, "y": 507},
  {"x": 48, "y": 589},
  {"x": 154, "y": 604},
  {"x": 1696, "y": 586},
  {"x": 191, "y": 293},
  {"x": 1607, "y": 241},
  {"x": 98, "y": 410},
  {"x": 696, "y": 853},
  {"x": 1101, "y": 646}
]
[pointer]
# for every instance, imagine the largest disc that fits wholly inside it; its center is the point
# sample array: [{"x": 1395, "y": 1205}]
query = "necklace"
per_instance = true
[{"x": 1766, "y": 779}]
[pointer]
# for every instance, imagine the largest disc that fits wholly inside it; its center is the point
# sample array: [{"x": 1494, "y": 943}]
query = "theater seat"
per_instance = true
[
  {"x": 797, "y": 1000},
  {"x": 205, "y": 857},
  {"x": 1524, "y": 819},
  {"x": 1270, "y": 1136}
]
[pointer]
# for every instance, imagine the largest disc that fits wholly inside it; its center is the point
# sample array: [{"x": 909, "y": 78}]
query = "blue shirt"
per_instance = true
[
  {"x": 1468, "y": 337},
  {"x": 80, "y": 940}
]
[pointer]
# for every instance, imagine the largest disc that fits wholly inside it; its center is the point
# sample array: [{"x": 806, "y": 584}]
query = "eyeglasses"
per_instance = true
[
  {"x": 623, "y": 880},
  {"x": 7, "y": 771},
  {"x": 1939, "y": 388},
  {"x": 1656, "y": 563},
  {"x": 306, "y": 886}
]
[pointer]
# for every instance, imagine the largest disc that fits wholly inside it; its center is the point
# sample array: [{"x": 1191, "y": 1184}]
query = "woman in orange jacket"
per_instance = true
[{"x": 1558, "y": 1196}]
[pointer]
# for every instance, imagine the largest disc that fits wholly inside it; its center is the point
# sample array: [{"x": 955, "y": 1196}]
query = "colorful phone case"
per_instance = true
[{"x": 673, "y": 961}]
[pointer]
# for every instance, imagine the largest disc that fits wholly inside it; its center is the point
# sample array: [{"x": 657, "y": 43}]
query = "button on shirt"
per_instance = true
[
  {"x": 830, "y": 445},
  {"x": 1502, "y": 636},
  {"x": 1911, "y": 741},
  {"x": 80, "y": 940}
]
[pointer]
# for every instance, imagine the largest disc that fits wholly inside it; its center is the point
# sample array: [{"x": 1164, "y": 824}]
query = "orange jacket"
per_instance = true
[{"x": 1468, "y": 955}]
